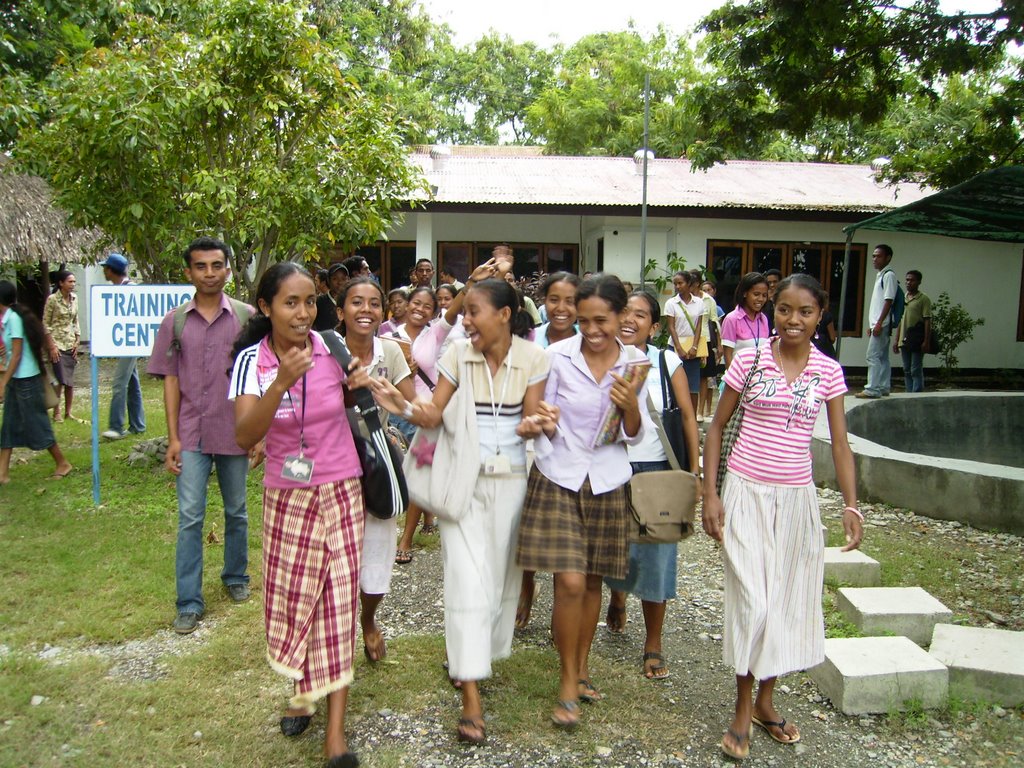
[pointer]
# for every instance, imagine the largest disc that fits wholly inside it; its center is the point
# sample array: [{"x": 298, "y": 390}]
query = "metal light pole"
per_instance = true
[{"x": 643, "y": 204}]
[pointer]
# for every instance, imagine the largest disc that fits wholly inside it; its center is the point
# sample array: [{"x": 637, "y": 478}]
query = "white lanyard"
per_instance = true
[{"x": 496, "y": 406}]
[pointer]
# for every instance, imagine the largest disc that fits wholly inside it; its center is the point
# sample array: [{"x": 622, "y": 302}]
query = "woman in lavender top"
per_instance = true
[{"x": 574, "y": 520}]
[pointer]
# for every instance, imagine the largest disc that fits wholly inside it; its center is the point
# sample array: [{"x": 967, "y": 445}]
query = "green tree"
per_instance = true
[
  {"x": 595, "y": 104},
  {"x": 952, "y": 325},
  {"x": 397, "y": 53},
  {"x": 790, "y": 69},
  {"x": 233, "y": 119},
  {"x": 497, "y": 80}
]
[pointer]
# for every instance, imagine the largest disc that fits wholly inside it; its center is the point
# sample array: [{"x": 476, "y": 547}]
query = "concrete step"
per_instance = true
[
  {"x": 853, "y": 568},
  {"x": 879, "y": 674},
  {"x": 907, "y": 611},
  {"x": 984, "y": 664}
]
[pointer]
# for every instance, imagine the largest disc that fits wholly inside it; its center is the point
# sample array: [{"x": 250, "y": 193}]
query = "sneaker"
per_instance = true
[
  {"x": 113, "y": 434},
  {"x": 186, "y": 622},
  {"x": 238, "y": 593},
  {"x": 865, "y": 395}
]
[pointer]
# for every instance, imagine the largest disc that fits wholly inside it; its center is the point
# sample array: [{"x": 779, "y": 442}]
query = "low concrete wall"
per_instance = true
[{"x": 986, "y": 496}]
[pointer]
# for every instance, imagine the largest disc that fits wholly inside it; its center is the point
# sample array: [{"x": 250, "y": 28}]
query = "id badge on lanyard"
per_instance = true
[{"x": 298, "y": 468}]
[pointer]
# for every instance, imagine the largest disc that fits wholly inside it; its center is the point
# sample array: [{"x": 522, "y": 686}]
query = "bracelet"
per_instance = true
[
  {"x": 407, "y": 411},
  {"x": 855, "y": 511}
]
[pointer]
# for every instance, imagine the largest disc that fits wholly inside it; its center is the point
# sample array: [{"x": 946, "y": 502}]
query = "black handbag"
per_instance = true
[
  {"x": 385, "y": 494},
  {"x": 672, "y": 417}
]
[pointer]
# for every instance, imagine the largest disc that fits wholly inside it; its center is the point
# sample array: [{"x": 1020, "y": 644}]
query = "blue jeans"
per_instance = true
[
  {"x": 126, "y": 387},
  {"x": 913, "y": 369},
  {"x": 188, "y": 561},
  {"x": 879, "y": 367}
]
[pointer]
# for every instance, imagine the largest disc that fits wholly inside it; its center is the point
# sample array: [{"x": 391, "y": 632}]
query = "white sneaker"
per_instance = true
[
  {"x": 112, "y": 434},
  {"x": 700, "y": 419}
]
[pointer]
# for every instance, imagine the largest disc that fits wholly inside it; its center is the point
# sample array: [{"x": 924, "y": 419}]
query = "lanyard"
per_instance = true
[
  {"x": 291, "y": 405},
  {"x": 302, "y": 419},
  {"x": 496, "y": 406},
  {"x": 755, "y": 329}
]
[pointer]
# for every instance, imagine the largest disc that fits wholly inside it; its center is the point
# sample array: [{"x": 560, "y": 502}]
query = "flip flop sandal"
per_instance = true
[
  {"x": 657, "y": 671},
  {"x": 615, "y": 619},
  {"x": 590, "y": 694},
  {"x": 403, "y": 556},
  {"x": 769, "y": 724},
  {"x": 742, "y": 749},
  {"x": 572, "y": 709},
  {"x": 466, "y": 736}
]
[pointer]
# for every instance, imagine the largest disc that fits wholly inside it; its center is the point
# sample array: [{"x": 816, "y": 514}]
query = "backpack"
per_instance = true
[
  {"x": 239, "y": 308},
  {"x": 899, "y": 304}
]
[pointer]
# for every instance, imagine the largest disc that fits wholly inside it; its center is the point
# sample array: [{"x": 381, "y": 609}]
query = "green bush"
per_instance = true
[{"x": 953, "y": 325}]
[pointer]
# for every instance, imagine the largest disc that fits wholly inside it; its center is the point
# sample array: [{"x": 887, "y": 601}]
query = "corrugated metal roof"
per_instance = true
[{"x": 614, "y": 181}]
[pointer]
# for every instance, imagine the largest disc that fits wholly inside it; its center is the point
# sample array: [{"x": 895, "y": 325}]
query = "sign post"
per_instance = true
[{"x": 123, "y": 321}]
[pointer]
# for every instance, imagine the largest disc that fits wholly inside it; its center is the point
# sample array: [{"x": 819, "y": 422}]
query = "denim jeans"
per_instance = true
[
  {"x": 192, "y": 484},
  {"x": 126, "y": 387},
  {"x": 879, "y": 367},
  {"x": 913, "y": 369}
]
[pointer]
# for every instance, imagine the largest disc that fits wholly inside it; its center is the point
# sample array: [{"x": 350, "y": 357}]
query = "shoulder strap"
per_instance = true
[
  {"x": 668, "y": 396},
  {"x": 180, "y": 316},
  {"x": 660, "y": 428},
  {"x": 363, "y": 397},
  {"x": 241, "y": 310}
]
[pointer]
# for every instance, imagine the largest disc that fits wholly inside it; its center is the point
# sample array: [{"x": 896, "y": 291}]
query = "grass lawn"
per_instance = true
[{"x": 80, "y": 583}]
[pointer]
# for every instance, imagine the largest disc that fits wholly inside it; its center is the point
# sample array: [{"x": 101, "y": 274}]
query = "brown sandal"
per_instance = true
[{"x": 466, "y": 727}]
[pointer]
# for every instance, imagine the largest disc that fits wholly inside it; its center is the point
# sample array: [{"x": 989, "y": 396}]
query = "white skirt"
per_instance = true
[
  {"x": 481, "y": 579},
  {"x": 774, "y": 553},
  {"x": 379, "y": 548}
]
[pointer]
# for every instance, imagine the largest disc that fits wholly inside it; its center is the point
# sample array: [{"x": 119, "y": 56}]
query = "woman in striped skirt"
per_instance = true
[
  {"x": 767, "y": 517},
  {"x": 288, "y": 388}
]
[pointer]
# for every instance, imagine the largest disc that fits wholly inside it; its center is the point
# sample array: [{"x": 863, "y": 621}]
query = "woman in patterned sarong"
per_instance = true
[{"x": 288, "y": 389}]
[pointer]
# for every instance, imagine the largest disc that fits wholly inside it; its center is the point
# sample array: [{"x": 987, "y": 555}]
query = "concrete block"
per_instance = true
[
  {"x": 879, "y": 674},
  {"x": 907, "y": 611},
  {"x": 984, "y": 664},
  {"x": 853, "y": 568}
]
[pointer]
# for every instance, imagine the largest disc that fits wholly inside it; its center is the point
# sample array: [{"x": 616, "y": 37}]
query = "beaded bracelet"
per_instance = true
[{"x": 855, "y": 511}]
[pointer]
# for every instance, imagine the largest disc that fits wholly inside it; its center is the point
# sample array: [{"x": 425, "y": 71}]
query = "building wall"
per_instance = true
[{"x": 984, "y": 277}]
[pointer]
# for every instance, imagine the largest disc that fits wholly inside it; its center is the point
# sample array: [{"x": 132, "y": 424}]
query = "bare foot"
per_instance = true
[
  {"x": 62, "y": 471},
  {"x": 373, "y": 644}
]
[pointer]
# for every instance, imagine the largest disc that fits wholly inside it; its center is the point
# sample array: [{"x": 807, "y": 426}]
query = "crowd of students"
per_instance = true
[{"x": 548, "y": 387}]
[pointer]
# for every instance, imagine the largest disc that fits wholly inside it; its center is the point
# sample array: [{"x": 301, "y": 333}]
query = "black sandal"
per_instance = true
[
  {"x": 570, "y": 707},
  {"x": 477, "y": 724}
]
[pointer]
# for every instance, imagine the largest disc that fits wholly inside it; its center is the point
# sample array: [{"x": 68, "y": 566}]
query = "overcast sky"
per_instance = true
[{"x": 542, "y": 21}]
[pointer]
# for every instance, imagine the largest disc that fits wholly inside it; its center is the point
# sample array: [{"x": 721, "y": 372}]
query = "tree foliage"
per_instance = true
[
  {"x": 787, "y": 69},
  {"x": 954, "y": 326},
  {"x": 595, "y": 104},
  {"x": 232, "y": 119}
]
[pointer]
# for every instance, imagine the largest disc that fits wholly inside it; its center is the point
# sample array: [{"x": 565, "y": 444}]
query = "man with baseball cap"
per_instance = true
[{"x": 127, "y": 390}]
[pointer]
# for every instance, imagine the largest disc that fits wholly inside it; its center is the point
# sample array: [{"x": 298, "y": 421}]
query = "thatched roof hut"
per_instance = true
[{"x": 33, "y": 229}]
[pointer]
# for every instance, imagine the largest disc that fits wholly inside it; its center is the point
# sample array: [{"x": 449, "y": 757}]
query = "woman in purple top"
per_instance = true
[
  {"x": 746, "y": 326},
  {"x": 574, "y": 520}
]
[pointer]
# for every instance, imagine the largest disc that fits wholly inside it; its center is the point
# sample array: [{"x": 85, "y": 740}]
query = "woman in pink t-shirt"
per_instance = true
[
  {"x": 288, "y": 390},
  {"x": 771, "y": 537},
  {"x": 746, "y": 326}
]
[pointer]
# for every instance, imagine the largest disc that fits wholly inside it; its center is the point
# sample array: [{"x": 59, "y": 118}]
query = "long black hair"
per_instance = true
[
  {"x": 604, "y": 286},
  {"x": 808, "y": 283},
  {"x": 258, "y": 326},
  {"x": 747, "y": 282},
  {"x": 500, "y": 295},
  {"x": 364, "y": 280},
  {"x": 34, "y": 331},
  {"x": 558, "y": 277}
]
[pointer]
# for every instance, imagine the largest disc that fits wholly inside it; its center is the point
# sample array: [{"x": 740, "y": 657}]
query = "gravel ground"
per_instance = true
[{"x": 700, "y": 685}]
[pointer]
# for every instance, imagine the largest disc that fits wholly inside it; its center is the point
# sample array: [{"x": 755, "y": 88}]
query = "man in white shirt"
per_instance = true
[{"x": 879, "y": 326}]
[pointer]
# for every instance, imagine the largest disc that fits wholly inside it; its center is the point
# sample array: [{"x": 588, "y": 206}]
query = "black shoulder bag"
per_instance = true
[{"x": 385, "y": 494}]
